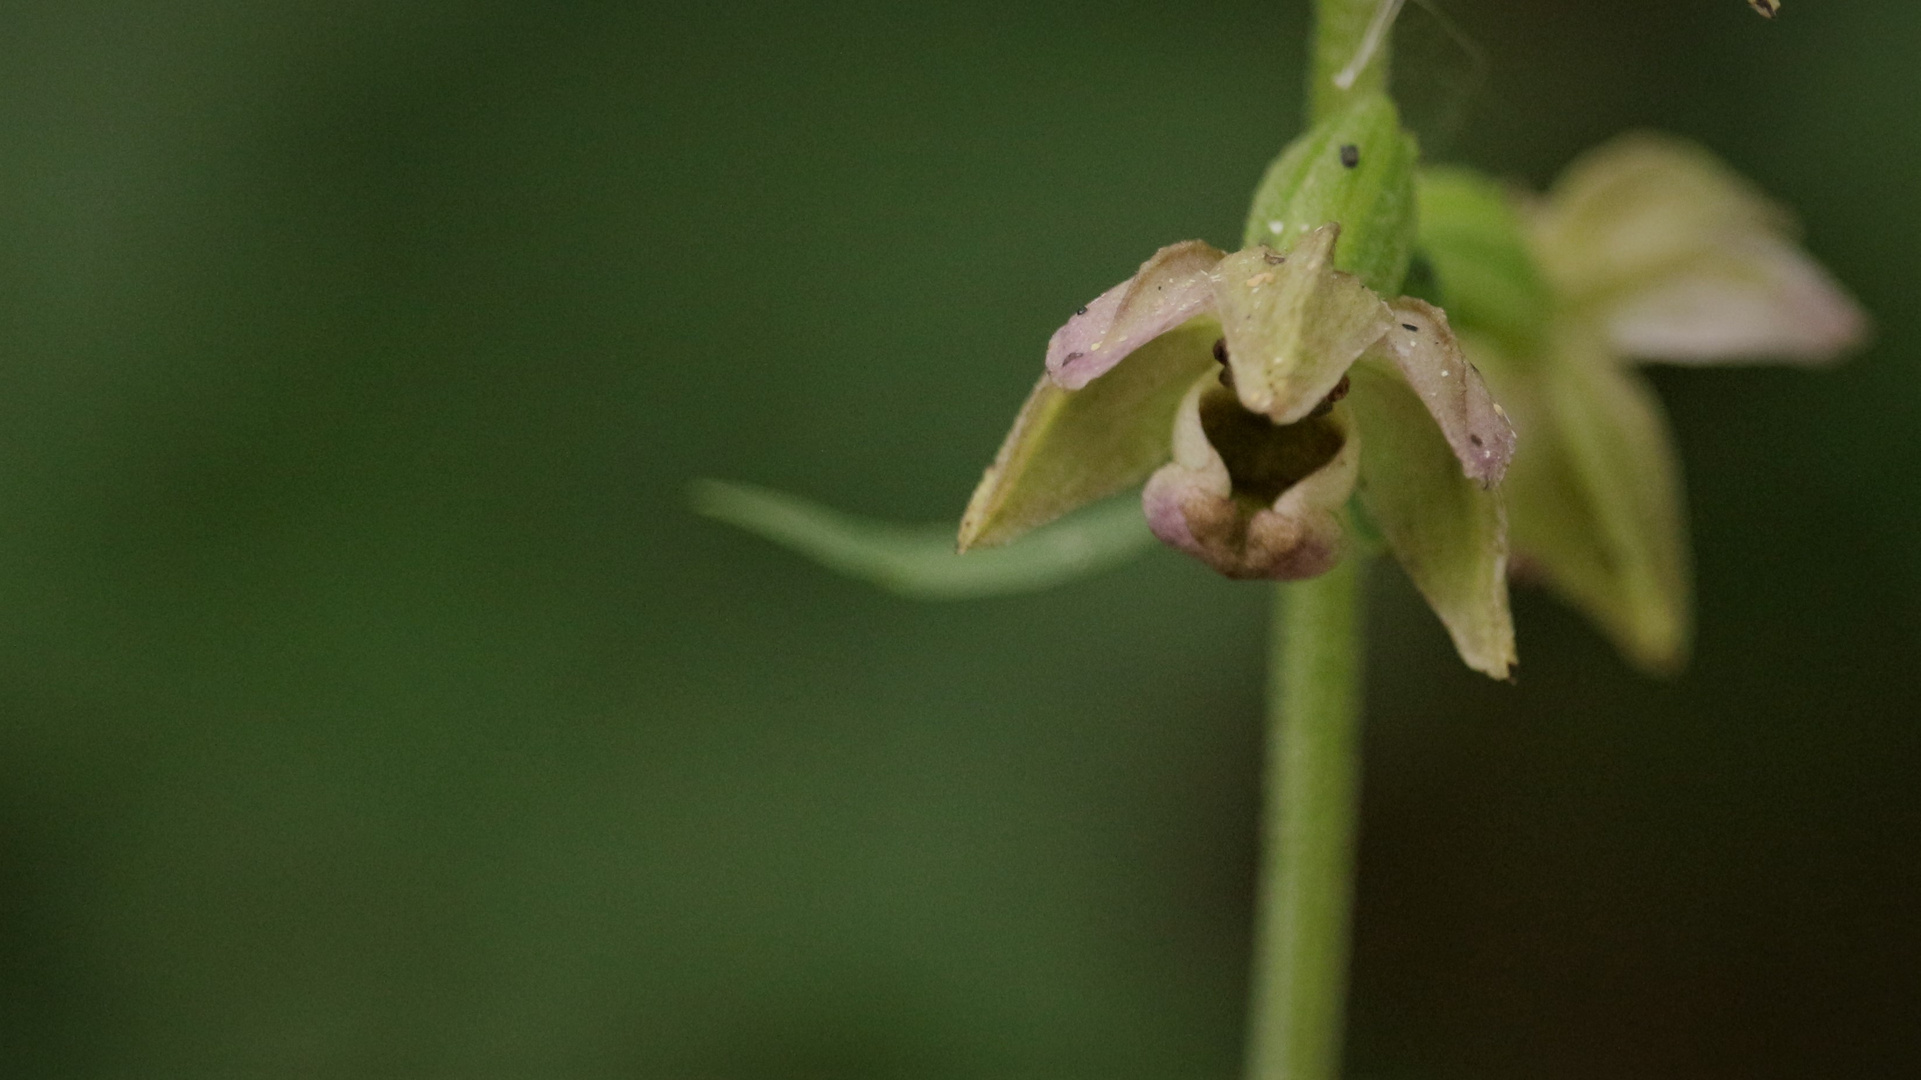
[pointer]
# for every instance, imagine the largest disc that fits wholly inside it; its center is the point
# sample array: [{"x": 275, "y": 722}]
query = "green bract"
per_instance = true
[
  {"x": 1313, "y": 183},
  {"x": 1646, "y": 247}
]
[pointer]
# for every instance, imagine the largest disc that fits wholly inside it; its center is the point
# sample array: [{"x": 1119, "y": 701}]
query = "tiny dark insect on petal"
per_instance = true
[
  {"x": 1080, "y": 310},
  {"x": 1272, "y": 259},
  {"x": 1409, "y": 326},
  {"x": 1220, "y": 350},
  {"x": 1350, "y": 155},
  {"x": 1475, "y": 439}
]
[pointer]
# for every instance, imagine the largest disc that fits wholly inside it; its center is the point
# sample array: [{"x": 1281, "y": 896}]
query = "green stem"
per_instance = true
[
  {"x": 1340, "y": 35},
  {"x": 1312, "y": 806}
]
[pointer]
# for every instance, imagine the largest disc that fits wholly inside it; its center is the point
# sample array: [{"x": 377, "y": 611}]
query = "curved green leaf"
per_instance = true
[{"x": 920, "y": 561}]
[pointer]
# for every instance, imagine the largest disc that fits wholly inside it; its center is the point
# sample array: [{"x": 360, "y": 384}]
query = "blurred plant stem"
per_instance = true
[
  {"x": 1349, "y": 53},
  {"x": 1309, "y": 817},
  {"x": 1311, "y": 806}
]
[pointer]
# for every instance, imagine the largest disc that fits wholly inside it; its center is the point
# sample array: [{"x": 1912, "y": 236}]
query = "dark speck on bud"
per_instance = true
[
  {"x": 1082, "y": 310},
  {"x": 1410, "y": 326},
  {"x": 1350, "y": 155}
]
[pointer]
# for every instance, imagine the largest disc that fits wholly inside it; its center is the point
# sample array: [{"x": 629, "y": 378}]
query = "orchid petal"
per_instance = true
[
  {"x": 1448, "y": 532},
  {"x": 1761, "y": 298},
  {"x": 1640, "y": 206},
  {"x": 1684, "y": 260},
  {"x": 1293, "y": 323},
  {"x": 1070, "y": 447},
  {"x": 1170, "y": 288},
  {"x": 1423, "y": 347},
  {"x": 1595, "y": 502},
  {"x": 1270, "y": 508}
]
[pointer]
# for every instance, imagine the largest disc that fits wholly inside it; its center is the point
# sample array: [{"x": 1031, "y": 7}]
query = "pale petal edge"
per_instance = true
[{"x": 1761, "y": 299}]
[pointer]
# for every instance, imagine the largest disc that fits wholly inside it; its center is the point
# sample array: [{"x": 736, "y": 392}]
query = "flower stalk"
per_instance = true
[
  {"x": 1349, "y": 53},
  {"x": 1310, "y": 817}
]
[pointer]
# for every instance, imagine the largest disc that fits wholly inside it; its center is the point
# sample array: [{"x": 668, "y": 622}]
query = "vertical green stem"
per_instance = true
[
  {"x": 1340, "y": 33},
  {"x": 1311, "y": 807}
]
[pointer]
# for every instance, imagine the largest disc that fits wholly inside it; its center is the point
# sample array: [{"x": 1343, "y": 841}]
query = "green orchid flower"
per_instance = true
[
  {"x": 1283, "y": 405},
  {"x": 1646, "y": 248},
  {"x": 1277, "y": 403}
]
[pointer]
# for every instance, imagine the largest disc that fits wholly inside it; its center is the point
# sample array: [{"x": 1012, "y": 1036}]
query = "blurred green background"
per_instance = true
[{"x": 371, "y": 705}]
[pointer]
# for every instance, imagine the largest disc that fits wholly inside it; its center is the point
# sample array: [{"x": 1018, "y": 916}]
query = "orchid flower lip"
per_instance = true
[{"x": 1251, "y": 498}]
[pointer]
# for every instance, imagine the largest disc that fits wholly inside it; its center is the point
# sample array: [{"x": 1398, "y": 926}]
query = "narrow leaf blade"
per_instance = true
[{"x": 920, "y": 561}]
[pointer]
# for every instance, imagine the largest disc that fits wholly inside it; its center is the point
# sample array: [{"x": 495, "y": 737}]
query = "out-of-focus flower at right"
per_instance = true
[{"x": 1646, "y": 248}]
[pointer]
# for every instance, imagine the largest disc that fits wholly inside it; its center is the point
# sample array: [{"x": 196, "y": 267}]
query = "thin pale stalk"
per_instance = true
[
  {"x": 1341, "y": 39},
  {"x": 1309, "y": 827}
]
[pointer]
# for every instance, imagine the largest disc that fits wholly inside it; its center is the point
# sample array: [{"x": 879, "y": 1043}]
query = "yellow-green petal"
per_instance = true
[
  {"x": 1070, "y": 447},
  {"x": 1757, "y": 298},
  {"x": 1640, "y": 206},
  {"x": 1595, "y": 501},
  {"x": 1293, "y": 323},
  {"x": 1683, "y": 260},
  {"x": 1448, "y": 532}
]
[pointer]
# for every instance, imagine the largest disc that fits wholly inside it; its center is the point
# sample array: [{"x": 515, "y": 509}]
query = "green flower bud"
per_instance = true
[
  {"x": 1354, "y": 169},
  {"x": 1476, "y": 242}
]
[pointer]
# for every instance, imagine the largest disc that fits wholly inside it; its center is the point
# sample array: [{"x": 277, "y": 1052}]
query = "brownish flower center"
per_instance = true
[{"x": 1264, "y": 458}]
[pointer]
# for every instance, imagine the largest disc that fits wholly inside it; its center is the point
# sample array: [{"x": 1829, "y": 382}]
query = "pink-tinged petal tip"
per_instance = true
[
  {"x": 1428, "y": 355},
  {"x": 1761, "y": 299},
  {"x": 1170, "y": 288}
]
